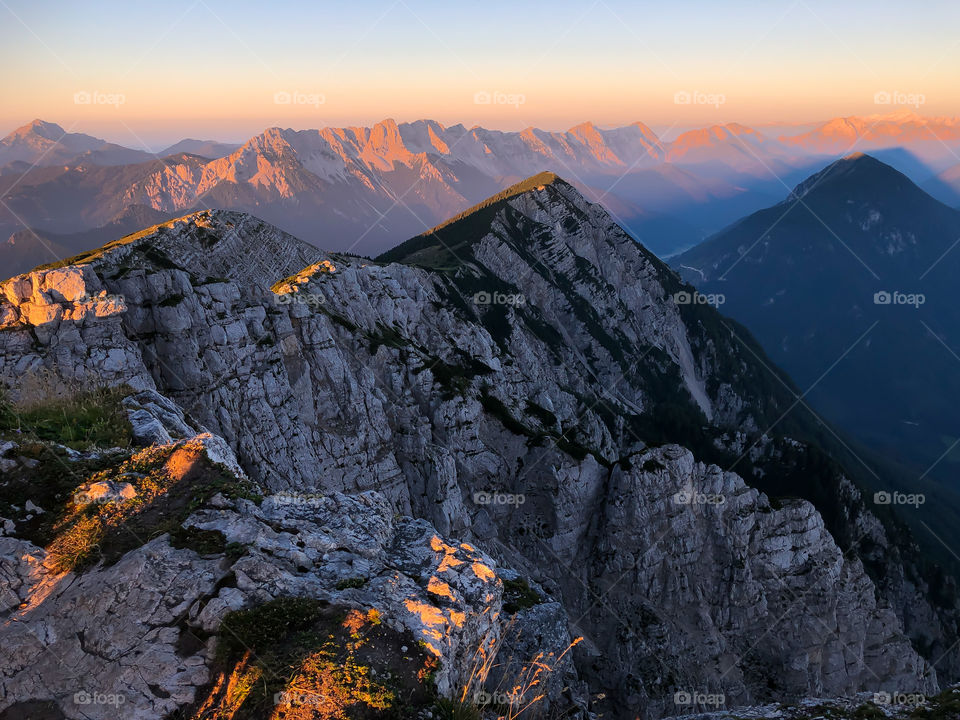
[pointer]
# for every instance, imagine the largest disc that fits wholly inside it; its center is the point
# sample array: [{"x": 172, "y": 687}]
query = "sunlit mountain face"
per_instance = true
[{"x": 364, "y": 188}]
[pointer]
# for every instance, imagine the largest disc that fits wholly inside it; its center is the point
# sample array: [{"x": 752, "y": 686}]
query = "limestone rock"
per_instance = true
[{"x": 421, "y": 426}]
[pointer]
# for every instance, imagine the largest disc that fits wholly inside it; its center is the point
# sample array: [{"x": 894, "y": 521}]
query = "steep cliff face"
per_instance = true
[{"x": 521, "y": 378}]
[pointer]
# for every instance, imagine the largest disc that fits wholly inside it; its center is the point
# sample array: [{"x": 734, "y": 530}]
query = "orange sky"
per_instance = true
[{"x": 227, "y": 70}]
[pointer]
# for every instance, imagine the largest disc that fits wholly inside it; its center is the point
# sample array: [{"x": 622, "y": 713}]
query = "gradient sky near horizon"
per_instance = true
[{"x": 216, "y": 69}]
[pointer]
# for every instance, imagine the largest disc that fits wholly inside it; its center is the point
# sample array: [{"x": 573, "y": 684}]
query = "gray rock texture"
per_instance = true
[{"x": 515, "y": 385}]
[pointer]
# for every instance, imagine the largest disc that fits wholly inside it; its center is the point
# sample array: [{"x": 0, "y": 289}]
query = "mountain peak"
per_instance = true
[
  {"x": 41, "y": 128},
  {"x": 469, "y": 225},
  {"x": 856, "y": 174},
  {"x": 386, "y": 128},
  {"x": 586, "y": 126},
  {"x": 644, "y": 130},
  {"x": 860, "y": 162},
  {"x": 533, "y": 183}
]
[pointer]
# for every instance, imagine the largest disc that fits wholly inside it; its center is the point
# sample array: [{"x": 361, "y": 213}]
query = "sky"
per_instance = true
[{"x": 147, "y": 74}]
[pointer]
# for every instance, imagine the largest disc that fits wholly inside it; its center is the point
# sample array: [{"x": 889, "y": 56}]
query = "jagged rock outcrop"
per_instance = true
[
  {"x": 517, "y": 378},
  {"x": 125, "y": 630}
]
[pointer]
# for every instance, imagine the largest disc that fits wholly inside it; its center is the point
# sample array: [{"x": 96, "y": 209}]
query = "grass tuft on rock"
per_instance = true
[
  {"x": 518, "y": 595},
  {"x": 456, "y": 710},
  {"x": 354, "y": 582},
  {"x": 296, "y": 658},
  {"x": 79, "y": 419}
]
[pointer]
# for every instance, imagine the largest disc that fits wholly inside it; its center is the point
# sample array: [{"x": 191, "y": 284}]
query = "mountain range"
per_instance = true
[
  {"x": 507, "y": 438},
  {"x": 363, "y": 189}
]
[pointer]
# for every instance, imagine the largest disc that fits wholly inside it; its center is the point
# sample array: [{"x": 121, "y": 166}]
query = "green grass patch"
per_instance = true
[
  {"x": 259, "y": 628},
  {"x": 945, "y": 706},
  {"x": 80, "y": 420},
  {"x": 868, "y": 712},
  {"x": 518, "y": 595},
  {"x": 204, "y": 542},
  {"x": 354, "y": 582},
  {"x": 456, "y": 710}
]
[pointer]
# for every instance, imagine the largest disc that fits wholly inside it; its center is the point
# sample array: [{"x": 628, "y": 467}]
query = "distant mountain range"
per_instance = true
[
  {"x": 365, "y": 188},
  {"x": 849, "y": 284}
]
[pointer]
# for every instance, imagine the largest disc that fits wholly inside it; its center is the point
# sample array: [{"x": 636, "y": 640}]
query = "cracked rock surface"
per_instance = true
[{"x": 395, "y": 422}]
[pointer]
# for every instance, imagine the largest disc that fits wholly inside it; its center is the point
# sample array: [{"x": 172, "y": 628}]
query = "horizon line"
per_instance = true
[{"x": 905, "y": 114}]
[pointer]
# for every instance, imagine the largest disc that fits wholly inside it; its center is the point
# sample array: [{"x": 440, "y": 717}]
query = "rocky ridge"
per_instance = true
[{"x": 539, "y": 427}]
